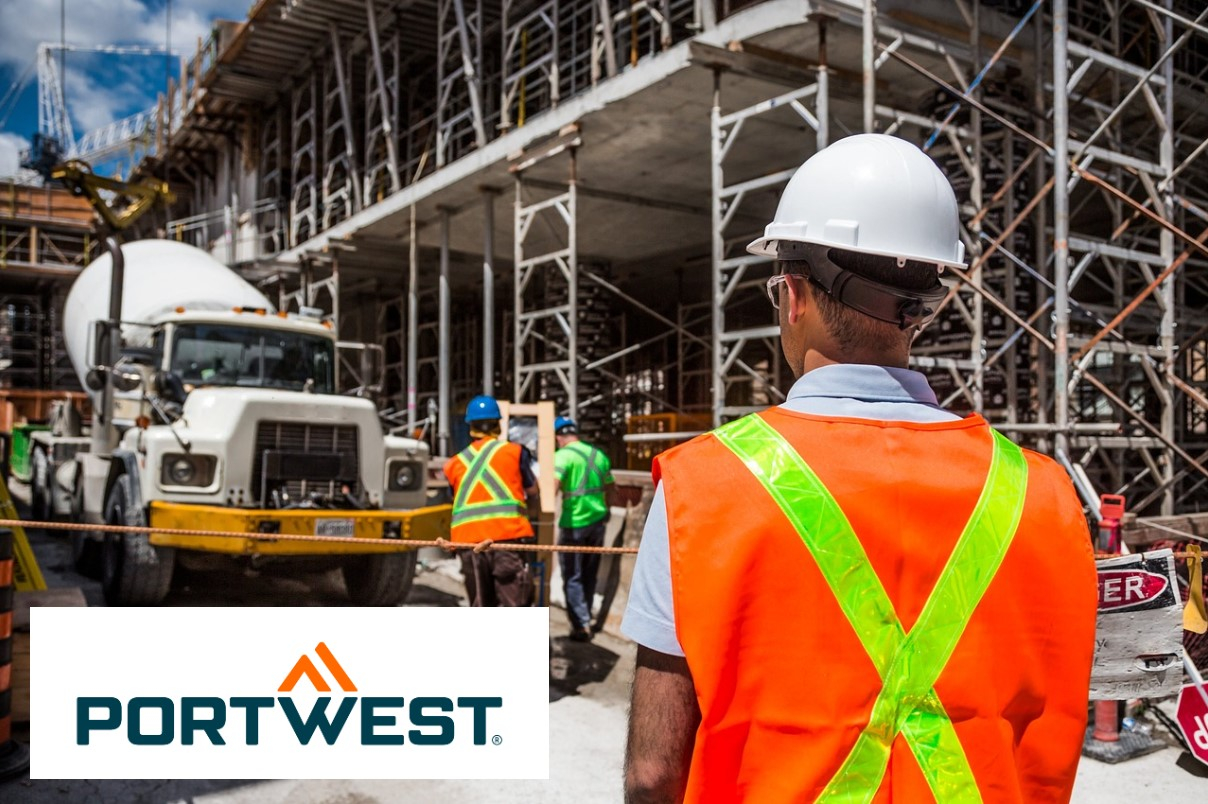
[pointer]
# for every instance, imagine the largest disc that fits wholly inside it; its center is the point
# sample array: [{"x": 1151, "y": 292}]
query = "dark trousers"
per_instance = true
[
  {"x": 579, "y": 571},
  {"x": 497, "y": 578}
]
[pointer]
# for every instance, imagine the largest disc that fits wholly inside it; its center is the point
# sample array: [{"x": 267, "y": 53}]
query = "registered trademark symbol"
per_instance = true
[{"x": 496, "y": 740}]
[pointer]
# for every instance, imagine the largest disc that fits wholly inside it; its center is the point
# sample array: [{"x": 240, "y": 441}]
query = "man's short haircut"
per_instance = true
[
  {"x": 850, "y": 327},
  {"x": 486, "y": 427}
]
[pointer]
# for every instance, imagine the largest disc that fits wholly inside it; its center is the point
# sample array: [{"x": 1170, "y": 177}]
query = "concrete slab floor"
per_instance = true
[{"x": 589, "y": 691}]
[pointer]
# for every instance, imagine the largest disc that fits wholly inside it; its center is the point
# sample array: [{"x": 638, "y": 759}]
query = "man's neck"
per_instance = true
[{"x": 815, "y": 359}]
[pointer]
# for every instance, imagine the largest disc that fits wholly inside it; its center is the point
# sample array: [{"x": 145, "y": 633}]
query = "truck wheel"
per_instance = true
[
  {"x": 380, "y": 580},
  {"x": 85, "y": 547},
  {"x": 133, "y": 571},
  {"x": 41, "y": 508}
]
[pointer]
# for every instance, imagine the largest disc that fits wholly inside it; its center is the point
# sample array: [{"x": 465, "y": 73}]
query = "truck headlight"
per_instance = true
[
  {"x": 179, "y": 469},
  {"x": 404, "y": 475}
]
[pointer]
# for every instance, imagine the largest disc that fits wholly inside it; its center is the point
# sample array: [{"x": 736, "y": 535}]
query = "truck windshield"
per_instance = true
[{"x": 215, "y": 354}]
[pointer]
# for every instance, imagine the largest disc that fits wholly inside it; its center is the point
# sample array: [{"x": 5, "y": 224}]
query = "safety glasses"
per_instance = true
[{"x": 774, "y": 290}]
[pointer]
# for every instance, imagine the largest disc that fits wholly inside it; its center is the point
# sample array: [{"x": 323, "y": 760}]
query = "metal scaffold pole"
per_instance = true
[
  {"x": 412, "y": 324},
  {"x": 1166, "y": 329},
  {"x": 444, "y": 338},
  {"x": 488, "y": 291},
  {"x": 870, "y": 71},
  {"x": 1061, "y": 227}
]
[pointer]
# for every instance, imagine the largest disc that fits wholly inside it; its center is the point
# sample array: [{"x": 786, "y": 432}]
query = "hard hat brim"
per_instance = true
[{"x": 768, "y": 247}]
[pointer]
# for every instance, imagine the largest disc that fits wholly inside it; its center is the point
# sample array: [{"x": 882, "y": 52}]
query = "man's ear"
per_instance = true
[{"x": 799, "y": 298}]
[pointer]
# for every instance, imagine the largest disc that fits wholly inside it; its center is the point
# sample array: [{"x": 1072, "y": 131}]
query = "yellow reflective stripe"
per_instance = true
[
  {"x": 488, "y": 510},
  {"x": 921, "y": 658},
  {"x": 907, "y": 703},
  {"x": 470, "y": 479},
  {"x": 824, "y": 529},
  {"x": 498, "y": 489}
]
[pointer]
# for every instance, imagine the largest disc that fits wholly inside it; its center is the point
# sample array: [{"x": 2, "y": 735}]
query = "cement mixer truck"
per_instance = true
[{"x": 214, "y": 411}]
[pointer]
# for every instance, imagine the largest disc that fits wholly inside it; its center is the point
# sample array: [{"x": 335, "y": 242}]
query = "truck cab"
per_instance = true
[{"x": 230, "y": 421}]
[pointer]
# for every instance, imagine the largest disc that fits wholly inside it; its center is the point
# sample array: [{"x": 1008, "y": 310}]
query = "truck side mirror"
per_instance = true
[
  {"x": 169, "y": 387},
  {"x": 95, "y": 379},
  {"x": 126, "y": 381},
  {"x": 99, "y": 343}
]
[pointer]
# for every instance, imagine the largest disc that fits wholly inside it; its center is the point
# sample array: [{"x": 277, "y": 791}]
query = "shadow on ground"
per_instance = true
[
  {"x": 573, "y": 664},
  {"x": 117, "y": 791}
]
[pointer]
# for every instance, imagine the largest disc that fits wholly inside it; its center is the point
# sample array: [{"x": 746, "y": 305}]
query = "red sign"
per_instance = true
[
  {"x": 1123, "y": 588},
  {"x": 1192, "y": 715}
]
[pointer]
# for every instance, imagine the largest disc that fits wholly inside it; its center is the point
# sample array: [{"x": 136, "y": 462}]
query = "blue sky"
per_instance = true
[{"x": 98, "y": 88}]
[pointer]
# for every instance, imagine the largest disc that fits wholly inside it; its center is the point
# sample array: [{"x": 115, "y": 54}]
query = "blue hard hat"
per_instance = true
[
  {"x": 482, "y": 408},
  {"x": 563, "y": 426}
]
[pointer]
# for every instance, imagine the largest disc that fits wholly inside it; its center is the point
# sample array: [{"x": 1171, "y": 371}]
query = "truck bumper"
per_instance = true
[{"x": 370, "y": 528}]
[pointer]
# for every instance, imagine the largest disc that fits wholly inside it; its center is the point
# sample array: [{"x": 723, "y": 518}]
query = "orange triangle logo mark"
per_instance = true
[{"x": 305, "y": 667}]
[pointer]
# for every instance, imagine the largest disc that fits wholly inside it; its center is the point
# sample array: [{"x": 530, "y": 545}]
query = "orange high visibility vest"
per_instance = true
[
  {"x": 488, "y": 492},
  {"x": 785, "y": 686}
]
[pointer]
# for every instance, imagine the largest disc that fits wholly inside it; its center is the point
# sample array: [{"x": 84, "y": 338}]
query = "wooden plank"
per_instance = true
[
  {"x": 1145, "y": 531},
  {"x": 1139, "y": 629},
  {"x": 20, "y": 678}
]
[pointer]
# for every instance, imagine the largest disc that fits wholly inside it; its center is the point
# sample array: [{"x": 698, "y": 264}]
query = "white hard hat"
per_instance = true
[{"x": 870, "y": 193}]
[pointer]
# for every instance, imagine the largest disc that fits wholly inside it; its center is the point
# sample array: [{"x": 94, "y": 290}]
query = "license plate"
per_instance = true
[{"x": 333, "y": 527}]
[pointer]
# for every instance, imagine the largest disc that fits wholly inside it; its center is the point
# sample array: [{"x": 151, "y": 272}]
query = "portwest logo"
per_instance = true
[{"x": 429, "y": 720}]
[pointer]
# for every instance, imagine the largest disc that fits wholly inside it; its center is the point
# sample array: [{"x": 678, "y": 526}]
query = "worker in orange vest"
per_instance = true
[
  {"x": 857, "y": 595},
  {"x": 494, "y": 494}
]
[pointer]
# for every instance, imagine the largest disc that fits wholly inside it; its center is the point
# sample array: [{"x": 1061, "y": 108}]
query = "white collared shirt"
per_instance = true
[{"x": 844, "y": 390}]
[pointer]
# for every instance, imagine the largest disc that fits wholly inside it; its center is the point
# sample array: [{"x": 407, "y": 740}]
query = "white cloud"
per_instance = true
[
  {"x": 10, "y": 149},
  {"x": 95, "y": 95},
  {"x": 95, "y": 102},
  {"x": 107, "y": 22}
]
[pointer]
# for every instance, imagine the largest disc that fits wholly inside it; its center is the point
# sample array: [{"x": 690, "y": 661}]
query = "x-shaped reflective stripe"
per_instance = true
[
  {"x": 908, "y": 664},
  {"x": 477, "y": 465},
  {"x": 588, "y": 472},
  {"x": 501, "y": 502}
]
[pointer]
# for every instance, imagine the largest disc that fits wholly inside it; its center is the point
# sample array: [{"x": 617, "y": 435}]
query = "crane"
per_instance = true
[
  {"x": 140, "y": 196},
  {"x": 55, "y": 140}
]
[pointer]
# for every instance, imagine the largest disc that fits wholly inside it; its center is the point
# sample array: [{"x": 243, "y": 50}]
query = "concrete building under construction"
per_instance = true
[{"x": 551, "y": 200}]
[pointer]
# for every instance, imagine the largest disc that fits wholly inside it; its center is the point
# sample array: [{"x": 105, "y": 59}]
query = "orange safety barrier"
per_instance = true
[{"x": 14, "y": 757}]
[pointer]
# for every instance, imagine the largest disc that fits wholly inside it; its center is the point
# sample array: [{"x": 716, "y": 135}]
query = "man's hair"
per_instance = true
[
  {"x": 488, "y": 427},
  {"x": 850, "y": 327}
]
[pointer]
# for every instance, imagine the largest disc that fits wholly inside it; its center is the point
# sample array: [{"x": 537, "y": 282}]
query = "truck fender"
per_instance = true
[{"x": 123, "y": 462}]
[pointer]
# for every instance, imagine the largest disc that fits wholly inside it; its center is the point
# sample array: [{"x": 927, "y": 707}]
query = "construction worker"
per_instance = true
[
  {"x": 857, "y": 595},
  {"x": 584, "y": 475},
  {"x": 494, "y": 494}
]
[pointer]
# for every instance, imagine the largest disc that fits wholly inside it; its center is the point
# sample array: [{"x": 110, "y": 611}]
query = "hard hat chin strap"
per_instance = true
[{"x": 906, "y": 309}]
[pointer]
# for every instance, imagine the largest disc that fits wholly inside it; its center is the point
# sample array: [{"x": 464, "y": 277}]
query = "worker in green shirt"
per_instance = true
[{"x": 584, "y": 474}]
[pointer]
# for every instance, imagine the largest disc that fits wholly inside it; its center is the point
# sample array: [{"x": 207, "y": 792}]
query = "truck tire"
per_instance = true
[
  {"x": 380, "y": 580},
  {"x": 133, "y": 571},
  {"x": 85, "y": 546},
  {"x": 41, "y": 507}
]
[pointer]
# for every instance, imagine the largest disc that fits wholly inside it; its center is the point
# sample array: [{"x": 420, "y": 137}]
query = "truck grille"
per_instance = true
[{"x": 289, "y": 444}]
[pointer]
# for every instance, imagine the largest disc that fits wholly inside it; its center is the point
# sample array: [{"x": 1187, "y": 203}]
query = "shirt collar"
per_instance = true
[{"x": 866, "y": 383}]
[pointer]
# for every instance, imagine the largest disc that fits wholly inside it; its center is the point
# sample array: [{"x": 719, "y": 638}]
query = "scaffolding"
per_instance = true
[{"x": 1073, "y": 132}]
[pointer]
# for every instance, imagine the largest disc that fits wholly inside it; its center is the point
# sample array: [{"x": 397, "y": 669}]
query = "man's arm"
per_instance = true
[
  {"x": 528, "y": 479},
  {"x": 663, "y": 716}
]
